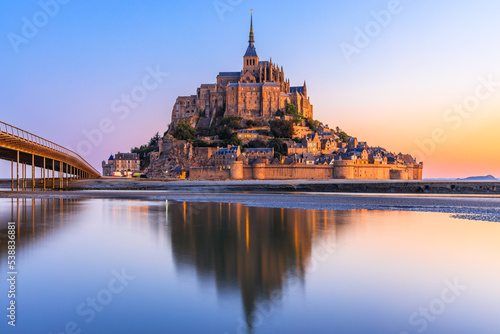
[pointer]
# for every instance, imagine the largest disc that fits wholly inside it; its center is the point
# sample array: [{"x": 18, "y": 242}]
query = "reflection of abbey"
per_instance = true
[{"x": 256, "y": 92}]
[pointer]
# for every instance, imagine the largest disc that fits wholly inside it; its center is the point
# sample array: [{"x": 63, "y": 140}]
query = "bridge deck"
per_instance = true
[{"x": 23, "y": 147}]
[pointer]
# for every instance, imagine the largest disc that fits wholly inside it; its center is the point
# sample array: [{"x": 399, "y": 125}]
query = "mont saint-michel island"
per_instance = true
[
  {"x": 253, "y": 124},
  {"x": 263, "y": 169}
]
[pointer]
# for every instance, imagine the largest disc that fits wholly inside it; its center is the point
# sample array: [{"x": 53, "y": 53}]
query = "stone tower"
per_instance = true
[{"x": 251, "y": 59}]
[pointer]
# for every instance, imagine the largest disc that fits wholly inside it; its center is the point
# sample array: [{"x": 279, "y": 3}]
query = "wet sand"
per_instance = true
[
  {"x": 485, "y": 208},
  {"x": 286, "y": 186}
]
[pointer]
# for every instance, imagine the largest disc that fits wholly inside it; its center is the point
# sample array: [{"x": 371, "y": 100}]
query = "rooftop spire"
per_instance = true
[
  {"x": 251, "y": 52},
  {"x": 251, "y": 40}
]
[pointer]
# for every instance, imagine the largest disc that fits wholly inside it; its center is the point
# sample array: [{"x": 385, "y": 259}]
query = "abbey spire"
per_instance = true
[
  {"x": 251, "y": 39},
  {"x": 250, "y": 59}
]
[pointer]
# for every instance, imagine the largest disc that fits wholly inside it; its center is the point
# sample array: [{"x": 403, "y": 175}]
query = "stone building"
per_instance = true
[
  {"x": 127, "y": 162},
  {"x": 258, "y": 91},
  {"x": 108, "y": 168},
  {"x": 252, "y": 154},
  {"x": 225, "y": 156},
  {"x": 301, "y": 131},
  {"x": 295, "y": 148},
  {"x": 313, "y": 143},
  {"x": 247, "y": 135}
]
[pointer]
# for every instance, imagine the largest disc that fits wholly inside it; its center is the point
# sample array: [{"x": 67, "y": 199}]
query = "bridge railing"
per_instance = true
[{"x": 32, "y": 138}]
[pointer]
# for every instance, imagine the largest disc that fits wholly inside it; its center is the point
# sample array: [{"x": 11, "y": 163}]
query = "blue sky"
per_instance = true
[{"x": 429, "y": 56}]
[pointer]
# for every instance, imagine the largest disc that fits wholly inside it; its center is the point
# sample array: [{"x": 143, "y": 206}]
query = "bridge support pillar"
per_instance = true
[
  {"x": 17, "y": 171},
  {"x": 44, "y": 170},
  {"x": 60, "y": 175},
  {"x": 12, "y": 175},
  {"x": 32, "y": 172},
  {"x": 25, "y": 177},
  {"x": 53, "y": 174}
]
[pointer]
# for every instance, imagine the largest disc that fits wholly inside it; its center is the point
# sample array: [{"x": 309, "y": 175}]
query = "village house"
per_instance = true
[
  {"x": 377, "y": 159},
  {"x": 313, "y": 143},
  {"x": 328, "y": 146},
  {"x": 301, "y": 131},
  {"x": 127, "y": 162},
  {"x": 352, "y": 143},
  {"x": 325, "y": 135},
  {"x": 225, "y": 156},
  {"x": 295, "y": 148},
  {"x": 252, "y": 154},
  {"x": 247, "y": 135}
]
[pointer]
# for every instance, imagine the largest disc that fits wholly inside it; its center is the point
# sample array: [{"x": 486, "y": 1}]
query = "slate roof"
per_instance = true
[
  {"x": 299, "y": 90},
  {"x": 325, "y": 134},
  {"x": 127, "y": 156},
  {"x": 259, "y": 150},
  {"x": 251, "y": 52},
  {"x": 272, "y": 84},
  {"x": 229, "y": 74},
  {"x": 225, "y": 151}
]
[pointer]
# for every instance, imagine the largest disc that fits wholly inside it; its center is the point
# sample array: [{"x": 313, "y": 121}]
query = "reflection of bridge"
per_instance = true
[{"x": 26, "y": 149}]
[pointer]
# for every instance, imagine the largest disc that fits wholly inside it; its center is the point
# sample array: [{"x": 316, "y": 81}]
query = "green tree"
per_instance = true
[
  {"x": 184, "y": 131},
  {"x": 144, "y": 150},
  {"x": 225, "y": 133},
  {"x": 279, "y": 147},
  {"x": 281, "y": 129},
  {"x": 343, "y": 136},
  {"x": 202, "y": 132},
  {"x": 153, "y": 142},
  {"x": 291, "y": 109},
  {"x": 233, "y": 141},
  {"x": 257, "y": 143},
  {"x": 313, "y": 124},
  {"x": 250, "y": 123}
]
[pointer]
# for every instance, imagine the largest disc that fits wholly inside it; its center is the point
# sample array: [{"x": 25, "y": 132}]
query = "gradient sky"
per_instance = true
[{"x": 393, "y": 93}]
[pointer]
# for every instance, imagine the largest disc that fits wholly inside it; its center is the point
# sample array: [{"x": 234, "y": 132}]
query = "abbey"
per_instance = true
[{"x": 258, "y": 91}]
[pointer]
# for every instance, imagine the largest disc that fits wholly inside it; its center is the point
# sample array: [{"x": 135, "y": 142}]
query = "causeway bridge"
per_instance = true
[{"x": 57, "y": 165}]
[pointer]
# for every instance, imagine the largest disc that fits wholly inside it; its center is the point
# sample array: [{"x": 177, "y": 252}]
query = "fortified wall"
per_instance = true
[{"x": 340, "y": 170}]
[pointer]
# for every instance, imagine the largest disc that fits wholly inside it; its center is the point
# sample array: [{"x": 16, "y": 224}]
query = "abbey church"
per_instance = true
[{"x": 258, "y": 91}]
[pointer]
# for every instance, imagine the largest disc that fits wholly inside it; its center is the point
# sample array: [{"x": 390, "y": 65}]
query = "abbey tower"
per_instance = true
[{"x": 258, "y": 91}]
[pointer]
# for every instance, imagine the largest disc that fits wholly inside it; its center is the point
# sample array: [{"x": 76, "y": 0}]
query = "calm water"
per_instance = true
[{"x": 105, "y": 266}]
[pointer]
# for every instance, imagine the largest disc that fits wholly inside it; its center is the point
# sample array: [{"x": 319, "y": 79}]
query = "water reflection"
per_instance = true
[
  {"x": 35, "y": 219},
  {"x": 252, "y": 252},
  {"x": 253, "y": 249},
  {"x": 385, "y": 265}
]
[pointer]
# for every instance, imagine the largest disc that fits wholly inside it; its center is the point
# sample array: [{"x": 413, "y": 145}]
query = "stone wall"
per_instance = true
[
  {"x": 204, "y": 153},
  {"x": 208, "y": 173},
  {"x": 343, "y": 170}
]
